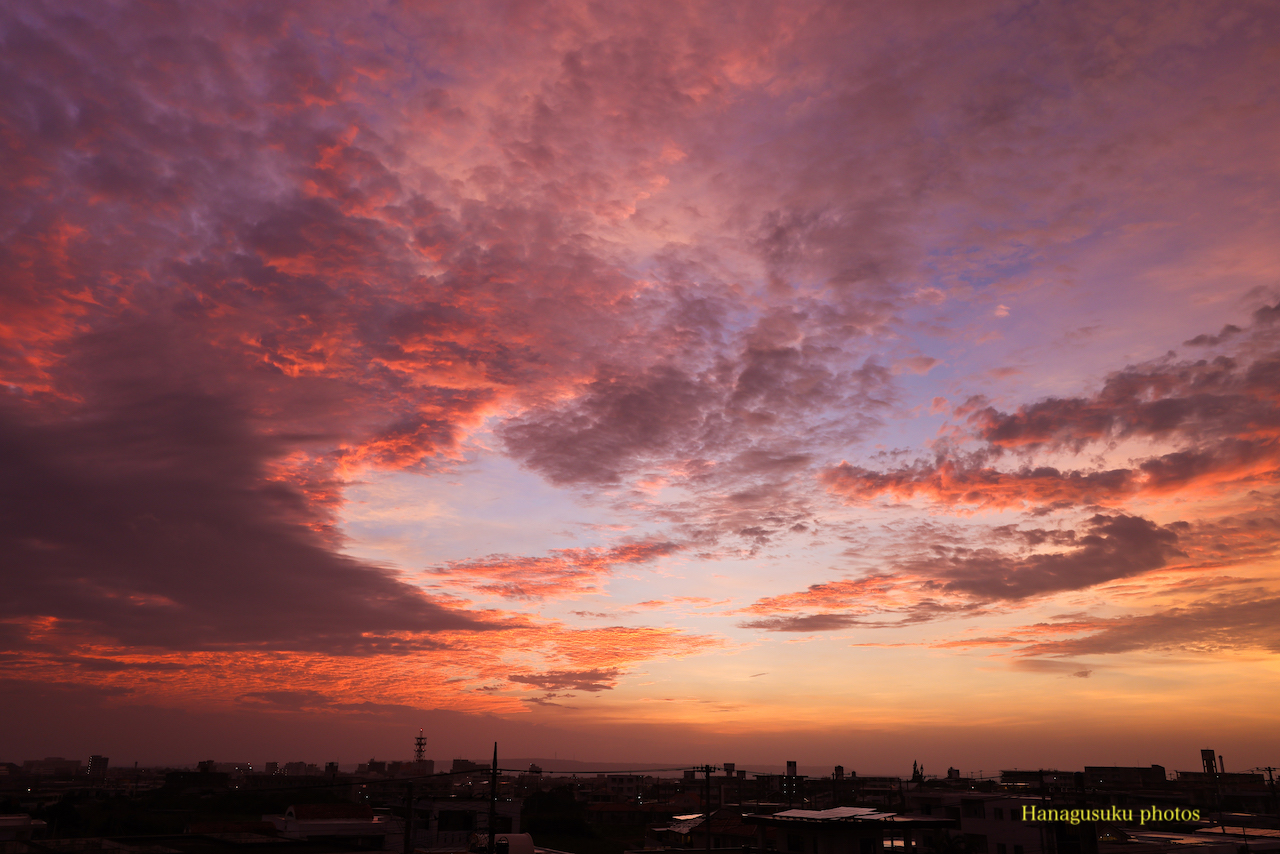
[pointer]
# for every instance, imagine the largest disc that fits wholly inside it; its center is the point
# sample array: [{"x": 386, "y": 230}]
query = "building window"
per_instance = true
[
  {"x": 1017, "y": 849},
  {"x": 998, "y": 815},
  {"x": 1000, "y": 848}
]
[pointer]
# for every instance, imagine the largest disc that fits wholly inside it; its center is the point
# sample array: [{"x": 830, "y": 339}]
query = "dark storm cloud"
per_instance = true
[
  {"x": 215, "y": 301},
  {"x": 150, "y": 521}
]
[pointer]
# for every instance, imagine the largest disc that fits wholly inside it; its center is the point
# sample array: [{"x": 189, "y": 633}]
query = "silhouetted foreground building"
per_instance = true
[
  {"x": 15, "y": 828},
  {"x": 844, "y": 830},
  {"x": 729, "y": 830},
  {"x": 354, "y": 825},
  {"x": 725, "y": 809}
]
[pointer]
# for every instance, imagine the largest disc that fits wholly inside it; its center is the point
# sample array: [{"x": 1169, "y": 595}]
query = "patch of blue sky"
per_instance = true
[{"x": 488, "y": 505}]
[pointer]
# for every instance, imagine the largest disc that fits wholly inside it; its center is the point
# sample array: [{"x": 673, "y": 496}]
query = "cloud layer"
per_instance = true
[{"x": 840, "y": 319}]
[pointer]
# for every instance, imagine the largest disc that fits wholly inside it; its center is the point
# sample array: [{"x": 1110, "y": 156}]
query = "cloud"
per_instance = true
[
  {"x": 1228, "y": 622},
  {"x": 1223, "y": 614},
  {"x": 692, "y": 601},
  {"x": 831, "y": 595},
  {"x": 922, "y": 611},
  {"x": 956, "y": 580},
  {"x": 713, "y": 425},
  {"x": 1213, "y": 340},
  {"x": 566, "y": 573},
  {"x": 1059, "y": 667},
  {"x": 227, "y": 300},
  {"x": 806, "y": 623},
  {"x": 575, "y": 680},
  {"x": 286, "y": 700},
  {"x": 152, "y": 521},
  {"x": 1220, "y": 415},
  {"x": 618, "y": 424},
  {"x": 982, "y": 487},
  {"x": 666, "y": 256},
  {"x": 875, "y": 601},
  {"x": 1196, "y": 401},
  {"x": 1111, "y": 547},
  {"x": 916, "y": 364},
  {"x": 447, "y": 674}
]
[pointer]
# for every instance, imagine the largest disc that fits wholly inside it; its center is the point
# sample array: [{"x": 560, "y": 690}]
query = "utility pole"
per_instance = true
[
  {"x": 707, "y": 769},
  {"x": 493, "y": 802},
  {"x": 1271, "y": 782},
  {"x": 408, "y": 819}
]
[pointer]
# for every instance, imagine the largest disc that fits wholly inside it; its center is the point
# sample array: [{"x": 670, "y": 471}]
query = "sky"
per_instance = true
[{"x": 849, "y": 383}]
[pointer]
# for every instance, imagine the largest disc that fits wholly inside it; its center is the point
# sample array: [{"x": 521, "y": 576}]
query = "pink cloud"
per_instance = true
[
  {"x": 566, "y": 573},
  {"x": 251, "y": 255}
]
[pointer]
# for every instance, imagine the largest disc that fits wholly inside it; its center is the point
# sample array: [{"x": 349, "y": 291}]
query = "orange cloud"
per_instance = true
[
  {"x": 983, "y": 488},
  {"x": 871, "y": 593},
  {"x": 439, "y": 670},
  {"x": 1228, "y": 621},
  {"x": 565, "y": 573}
]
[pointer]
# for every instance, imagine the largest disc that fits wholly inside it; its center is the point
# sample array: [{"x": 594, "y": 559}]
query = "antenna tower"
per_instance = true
[{"x": 419, "y": 747}]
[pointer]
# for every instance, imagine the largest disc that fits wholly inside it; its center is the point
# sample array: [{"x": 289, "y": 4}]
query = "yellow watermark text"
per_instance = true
[{"x": 1113, "y": 814}]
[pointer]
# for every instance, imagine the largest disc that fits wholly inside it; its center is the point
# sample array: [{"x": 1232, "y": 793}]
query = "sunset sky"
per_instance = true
[{"x": 850, "y": 383}]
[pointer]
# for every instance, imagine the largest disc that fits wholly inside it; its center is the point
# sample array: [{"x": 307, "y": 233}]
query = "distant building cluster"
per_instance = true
[{"x": 407, "y": 806}]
